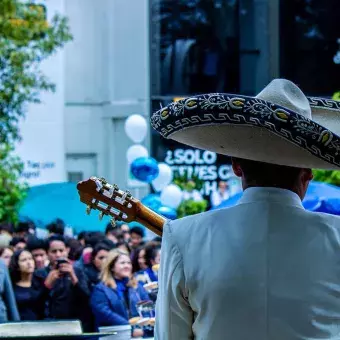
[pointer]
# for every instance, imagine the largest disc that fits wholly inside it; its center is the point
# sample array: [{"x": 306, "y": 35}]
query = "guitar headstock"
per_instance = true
[{"x": 97, "y": 194}]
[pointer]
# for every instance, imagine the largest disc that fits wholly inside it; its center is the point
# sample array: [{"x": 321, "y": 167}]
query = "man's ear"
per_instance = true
[
  {"x": 307, "y": 175},
  {"x": 237, "y": 169}
]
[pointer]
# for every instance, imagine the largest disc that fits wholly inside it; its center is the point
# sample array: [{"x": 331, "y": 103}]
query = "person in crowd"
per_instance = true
[
  {"x": 98, "y": 257},
  {"x": 74, "y": 249},
  {"x": 157, "y": 239},
  {"x": 114, "y": 300},
  {"x": 217, "y": 197},
  {"x": 66, "y": 291},
  {"x": 8, "y": 306},
  {"x": 151, "y": 253},
  {"x": 126, "y": 231},
  {"x": 6, "y": 254},
  {"x": 56, "y": 228},
  {"x": 115, "y": 234},
  {"x": 6, "y": 233},
  {"x": 138, "y": 260},
  {"x": 124, "y": 246},
  {"x": 136, "y": 238},
  {"x": 191, "y": 193},
  {"x": 18, "y": 243},
  {"x": 24, "y": 230},
  {"x": 90, "y": 240},
  {"x": 38, "y": 249},
  {"x": 81, "y": 237},
  {"x": 27, "y": 297},
  {"x": 6, "y": 228}
]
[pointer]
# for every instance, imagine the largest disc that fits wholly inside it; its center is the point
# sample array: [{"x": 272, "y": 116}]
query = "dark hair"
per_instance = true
[
  {"x": 135, "y": 264},
  {"x": 56, "y": 228},
  {"x": 98, "y": 247},
  {"x": 14, "y": 269},
  {"x": 108, "y": 243},
  {"x": 92, "y": 238},
  {"x": 7, "y": 227},
  {"x": 24, "y": 227},
  {"x": 265, "y": 174},
  {"x": 109, "y": 228},
  {"x": 15, "y": 240},
  {"x": 53, "y": 238},
  {"x": 157, "y": 239},
  {"x": 34, "y": 243},
  {"x": 151, "y": 250},
  {"x": 82, "y": 235},
  {"x": 137, "y": 230},
  {"x": 122, "y": 243},
  {"x": 4, "y": 248},
  {"x": 76, "y": 249}
]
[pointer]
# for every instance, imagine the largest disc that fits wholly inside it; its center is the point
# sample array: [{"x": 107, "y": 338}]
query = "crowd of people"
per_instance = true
[{"x": 101, "y": 279}]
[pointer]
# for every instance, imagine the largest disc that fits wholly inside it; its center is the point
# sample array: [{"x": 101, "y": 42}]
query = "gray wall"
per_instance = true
[{"x": 107, "y": 79}]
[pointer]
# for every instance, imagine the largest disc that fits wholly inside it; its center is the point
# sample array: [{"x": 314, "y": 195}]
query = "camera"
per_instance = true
[{"x": 60, "y": 261}]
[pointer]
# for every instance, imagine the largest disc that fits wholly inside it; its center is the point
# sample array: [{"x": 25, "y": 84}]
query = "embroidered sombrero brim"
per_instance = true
[{"x": 258, "y": 129}]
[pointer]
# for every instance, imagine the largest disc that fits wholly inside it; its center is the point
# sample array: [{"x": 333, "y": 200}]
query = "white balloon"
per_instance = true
[
  {"x": 136, "y": 128},
  {"x": 135, "y": 151},
  {"x": 171, "y": 196},
  {"x": 164, "y": 178}
]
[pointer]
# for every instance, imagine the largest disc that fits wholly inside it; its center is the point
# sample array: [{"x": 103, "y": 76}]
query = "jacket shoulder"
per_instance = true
[
  {"x": 99, "y": 287},
  {"x": 198, "y": 220},
  {"x": 325, "y": 219},
  {"x": 195, "y": 225}
]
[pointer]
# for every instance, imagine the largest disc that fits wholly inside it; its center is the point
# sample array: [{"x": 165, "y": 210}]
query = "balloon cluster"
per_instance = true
[{"x": 146, "y": 169}]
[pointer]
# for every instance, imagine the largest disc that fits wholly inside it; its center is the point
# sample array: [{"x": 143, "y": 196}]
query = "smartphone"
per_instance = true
[{"x": 60, "y": 261}]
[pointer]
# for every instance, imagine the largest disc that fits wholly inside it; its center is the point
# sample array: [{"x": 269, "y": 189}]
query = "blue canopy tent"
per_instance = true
[
  {"x": 46, "y": 203},
  {"x": 320, "y": 197}
]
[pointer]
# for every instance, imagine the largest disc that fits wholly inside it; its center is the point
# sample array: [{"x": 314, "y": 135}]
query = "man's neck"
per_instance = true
[{"x": 265, "y": 185}]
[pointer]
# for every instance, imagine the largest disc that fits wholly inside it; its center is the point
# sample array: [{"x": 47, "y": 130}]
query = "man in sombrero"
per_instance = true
[{"x": 265, "y": 268}]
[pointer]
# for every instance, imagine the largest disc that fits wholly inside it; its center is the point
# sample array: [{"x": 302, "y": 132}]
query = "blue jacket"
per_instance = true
[{"x": 109, "y": 308}]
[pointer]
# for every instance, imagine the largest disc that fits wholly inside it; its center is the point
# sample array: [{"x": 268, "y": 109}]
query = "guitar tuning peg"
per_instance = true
[
  {"x": 115, "y": 187},
  {"x": 101, "y": 215},
  {"x": 103, "y": 180},
  {"x": 113, "y": 222},
  {"x": 88, "y": 210}
]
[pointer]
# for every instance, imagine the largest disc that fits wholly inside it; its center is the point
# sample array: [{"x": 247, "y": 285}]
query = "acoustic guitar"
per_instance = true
[{"x": 97, "y": 194}]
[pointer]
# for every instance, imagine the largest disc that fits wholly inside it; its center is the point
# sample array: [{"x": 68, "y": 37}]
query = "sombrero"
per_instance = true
[{"x": 280, "y": 125}]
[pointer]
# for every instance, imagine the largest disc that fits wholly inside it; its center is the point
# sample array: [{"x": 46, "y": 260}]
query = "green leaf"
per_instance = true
[{"x": 26, "y": 40}]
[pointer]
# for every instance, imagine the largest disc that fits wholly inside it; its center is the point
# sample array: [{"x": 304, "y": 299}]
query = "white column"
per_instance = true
[{"x": 42, "y": 131}]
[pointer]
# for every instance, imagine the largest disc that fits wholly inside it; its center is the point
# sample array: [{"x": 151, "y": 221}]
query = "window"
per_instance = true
[
  {"x": 309, "y": 31},
  {"x": 75, "y": 177},
  {"x": 195, "y": 46}
]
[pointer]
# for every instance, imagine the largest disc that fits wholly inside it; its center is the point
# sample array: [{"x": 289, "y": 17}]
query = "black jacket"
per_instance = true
[
  {"x": 92, "y": 274},
  {"x": 64, "y": 300}
]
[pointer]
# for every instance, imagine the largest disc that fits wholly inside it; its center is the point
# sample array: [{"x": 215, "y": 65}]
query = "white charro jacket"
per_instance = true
[{"x": 265, "y": 269}]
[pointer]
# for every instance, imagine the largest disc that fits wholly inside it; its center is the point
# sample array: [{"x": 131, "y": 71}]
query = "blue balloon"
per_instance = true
[
  {"x": 167, "y": 212},
  {"x": 152, "y": 201},
  {"x": 145, "y": 169}
]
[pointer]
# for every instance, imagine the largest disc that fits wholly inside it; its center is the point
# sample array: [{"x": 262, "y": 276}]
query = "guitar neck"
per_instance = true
[{"x": 150, "y": 219}]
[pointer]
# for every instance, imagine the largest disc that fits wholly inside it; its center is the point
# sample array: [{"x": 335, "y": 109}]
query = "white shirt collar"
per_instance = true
[{"x": 269, "y": 194}]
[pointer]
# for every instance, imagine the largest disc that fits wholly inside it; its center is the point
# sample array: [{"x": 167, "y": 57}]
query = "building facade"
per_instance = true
[
  {"x": 131, "y": 56},
  {"x": 102, "y": 77}
]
